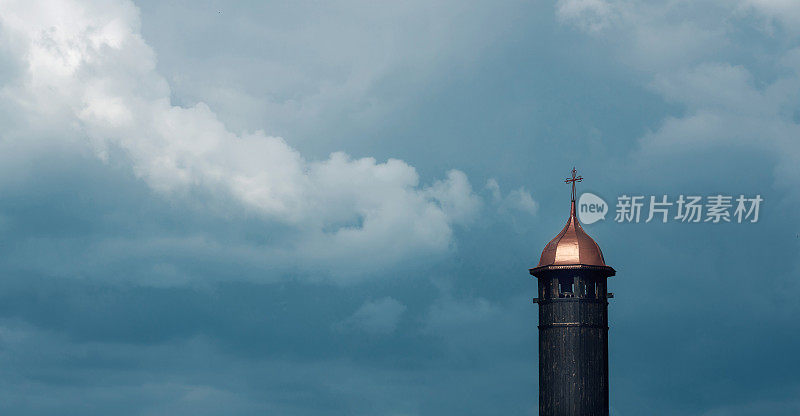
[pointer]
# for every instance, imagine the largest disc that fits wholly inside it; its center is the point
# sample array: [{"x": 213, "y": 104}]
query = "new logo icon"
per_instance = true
[{"x": 591, "y": 208}]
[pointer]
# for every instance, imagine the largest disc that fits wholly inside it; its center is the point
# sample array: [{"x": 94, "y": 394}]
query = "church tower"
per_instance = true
[{"x": 573, "y": 322}]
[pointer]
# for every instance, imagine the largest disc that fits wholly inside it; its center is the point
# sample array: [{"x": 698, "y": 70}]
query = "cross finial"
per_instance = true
[{"x": 572, "y": 180}]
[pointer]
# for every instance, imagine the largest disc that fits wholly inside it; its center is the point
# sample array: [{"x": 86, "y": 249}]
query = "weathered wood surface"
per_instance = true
[{"x": 573, "y": 347}]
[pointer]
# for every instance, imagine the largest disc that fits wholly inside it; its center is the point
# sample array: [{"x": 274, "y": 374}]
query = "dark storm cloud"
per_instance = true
[{"x": 116, "y": 299}]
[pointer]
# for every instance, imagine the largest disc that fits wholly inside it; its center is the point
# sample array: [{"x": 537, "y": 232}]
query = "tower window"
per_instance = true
[{"x": 566, "y": 287}]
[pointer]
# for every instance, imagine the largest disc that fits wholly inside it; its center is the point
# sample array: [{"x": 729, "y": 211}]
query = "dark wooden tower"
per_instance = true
[{"x": 573, "y": 322}]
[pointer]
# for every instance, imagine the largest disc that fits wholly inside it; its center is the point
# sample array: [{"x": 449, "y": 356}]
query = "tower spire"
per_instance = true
[{"x": 573, "y": 322}]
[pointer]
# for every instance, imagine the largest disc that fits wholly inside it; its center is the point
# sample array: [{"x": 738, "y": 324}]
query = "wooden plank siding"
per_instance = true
[{"x": 573, "y": 346}]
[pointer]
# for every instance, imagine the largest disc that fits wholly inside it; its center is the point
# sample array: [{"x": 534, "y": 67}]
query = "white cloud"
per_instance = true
[
  {"x": 522, "y": 200},
  {"x": 449, "y": 313},
  {"x": 518, "y": 199},
  {"x": 84, "y": 71},
  {"x": 456, "y": 320},
  {"x": 787, "y": 12},
  {"x": 589, "y": 15},
  {"x": 651, "y": 35},
  {"x": 455, "y": 196},
  {"x": 379, "y": 317},
  {"x": 315, "y": 65},
  {"x": 724, "y": 108},
  {"x": 685, "y": 51}
]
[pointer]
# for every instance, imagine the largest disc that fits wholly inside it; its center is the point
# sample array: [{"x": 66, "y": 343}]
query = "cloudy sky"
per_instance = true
[{"x": 305, "y": 208}]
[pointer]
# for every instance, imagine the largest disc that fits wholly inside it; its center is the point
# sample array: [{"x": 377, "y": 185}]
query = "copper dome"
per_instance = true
[{"x": 572, "y": 246}]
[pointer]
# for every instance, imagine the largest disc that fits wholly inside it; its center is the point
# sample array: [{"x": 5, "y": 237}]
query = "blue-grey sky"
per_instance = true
[{"x": 329, "y": 208}]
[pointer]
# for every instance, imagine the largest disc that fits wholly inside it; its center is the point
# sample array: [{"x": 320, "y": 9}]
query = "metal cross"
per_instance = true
[{"x": 573, "y": 179}]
